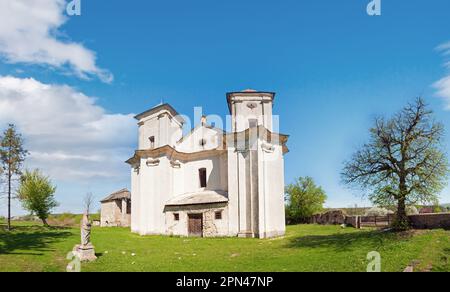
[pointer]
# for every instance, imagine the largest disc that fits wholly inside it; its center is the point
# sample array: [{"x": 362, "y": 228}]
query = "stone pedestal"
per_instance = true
[{"x": 86, "y": 253}]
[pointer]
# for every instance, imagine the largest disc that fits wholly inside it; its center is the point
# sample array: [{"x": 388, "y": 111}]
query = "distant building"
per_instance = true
[
  {"x": 426, "y": 210},
  {"x": 210, "y": 182},
  {"x": 116, "y": 209}
]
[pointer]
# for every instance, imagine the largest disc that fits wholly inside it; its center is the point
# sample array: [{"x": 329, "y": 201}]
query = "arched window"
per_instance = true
[{"x": 202, "y": 177}]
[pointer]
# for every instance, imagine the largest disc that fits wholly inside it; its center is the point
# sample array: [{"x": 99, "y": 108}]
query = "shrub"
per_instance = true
[{"x": 437, "y": 209}]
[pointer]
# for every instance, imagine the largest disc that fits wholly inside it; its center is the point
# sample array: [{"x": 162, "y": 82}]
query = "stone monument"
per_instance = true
[{"x": 85, "y": 251}]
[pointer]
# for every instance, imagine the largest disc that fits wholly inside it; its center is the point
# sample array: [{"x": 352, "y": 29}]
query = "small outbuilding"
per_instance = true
[{"x": 116, "y": 209}]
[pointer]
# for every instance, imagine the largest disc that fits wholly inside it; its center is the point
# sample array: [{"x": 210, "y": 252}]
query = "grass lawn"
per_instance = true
[{"x": 304, "y": 248}]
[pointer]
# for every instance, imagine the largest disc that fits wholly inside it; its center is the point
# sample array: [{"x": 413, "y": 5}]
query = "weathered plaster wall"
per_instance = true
[
  {"x": 111, "y": 215},
  {"x": 108, "y": 214},
  {"x": 211, "y": 226}
]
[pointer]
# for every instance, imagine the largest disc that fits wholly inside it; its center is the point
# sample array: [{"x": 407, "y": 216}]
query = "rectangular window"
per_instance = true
[
  {"x": 176, "y": 217},
  {"x": 218, "y": 215},
  {"x": 252, "y": 123},
  {"x": 152, "y": 142},
  {"x": 202, "y": 176}
]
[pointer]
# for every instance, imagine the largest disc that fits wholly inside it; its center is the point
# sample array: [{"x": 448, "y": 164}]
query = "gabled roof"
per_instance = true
[
  {"x": 199, "y": 126},
  {"x": 199, "y": 198},
  {"x": 119, "y": 195},
  {"x": 158, "y": 108}
]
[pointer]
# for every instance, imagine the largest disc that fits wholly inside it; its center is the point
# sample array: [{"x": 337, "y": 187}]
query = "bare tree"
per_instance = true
[
  {"x": 403, "y": 163},
  {"x": 88, "y": 201}
]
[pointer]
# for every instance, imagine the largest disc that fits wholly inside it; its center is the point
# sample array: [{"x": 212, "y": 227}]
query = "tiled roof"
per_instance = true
[
  {"x": 198, "y": 198},
  {"x": 119, "y": 195}
]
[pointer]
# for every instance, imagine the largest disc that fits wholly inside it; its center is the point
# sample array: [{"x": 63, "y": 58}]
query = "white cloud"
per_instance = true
[
  {"x": 445, "y": 47},
  {"x": 29, "y": 34},
  {"x": 443, "y": 85},
  {"x": 69, "y": 137},
  {"x": 443, "y": 90}
]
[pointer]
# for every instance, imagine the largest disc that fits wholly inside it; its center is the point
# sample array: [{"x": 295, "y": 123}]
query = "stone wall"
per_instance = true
[
  {"x": 354, "y": 221},
  {"x": 421, "y": 221},
  {"x": 430, "y": 221},
  {"x": 329, "y": 218}
]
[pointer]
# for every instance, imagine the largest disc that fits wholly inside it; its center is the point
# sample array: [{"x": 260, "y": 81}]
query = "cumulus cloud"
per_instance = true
[
  {"x": 68, "y": 135},
  {"x": 443, "y": 85},
  {"x": 29, "y": 34}
]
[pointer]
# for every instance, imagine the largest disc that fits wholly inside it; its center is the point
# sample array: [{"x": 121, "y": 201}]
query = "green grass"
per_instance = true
[{"x": 304, "y": 248}]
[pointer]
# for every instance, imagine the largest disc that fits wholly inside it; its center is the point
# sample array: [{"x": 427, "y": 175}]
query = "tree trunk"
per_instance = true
[
  {"x": 44, "y": 221},
  {"x": 9, "y": 198},
  {"x": 401, "y": 222}
]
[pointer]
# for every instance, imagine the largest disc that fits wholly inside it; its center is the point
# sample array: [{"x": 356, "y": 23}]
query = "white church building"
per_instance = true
[{"x": 210, "y": 182}]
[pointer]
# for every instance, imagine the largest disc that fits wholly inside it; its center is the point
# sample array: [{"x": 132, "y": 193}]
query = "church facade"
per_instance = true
[{"x": 210, "y": 182}]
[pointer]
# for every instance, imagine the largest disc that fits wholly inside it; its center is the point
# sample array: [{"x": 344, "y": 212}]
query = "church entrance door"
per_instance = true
[{"x": 195, "y": 225}]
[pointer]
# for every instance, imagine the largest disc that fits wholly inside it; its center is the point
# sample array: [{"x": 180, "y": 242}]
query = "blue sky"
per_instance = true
[{"x": 334, "y": 69}]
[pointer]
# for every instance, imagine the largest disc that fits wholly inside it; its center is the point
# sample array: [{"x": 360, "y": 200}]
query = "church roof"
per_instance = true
[
  {"x": 249, "y": 92},
  {"x": 158, "y": 108},
  {"x": 199, "y": 198},
  {"x": 119, "y": 195}
]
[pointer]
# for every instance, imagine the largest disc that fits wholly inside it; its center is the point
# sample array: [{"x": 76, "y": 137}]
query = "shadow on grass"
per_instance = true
[
  {"x": 343, "y": 242},
  {"x": 35, "y": 239},
  {"x": 444, "y": 262}
]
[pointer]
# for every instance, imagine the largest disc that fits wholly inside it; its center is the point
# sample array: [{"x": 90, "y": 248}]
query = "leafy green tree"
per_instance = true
[
  {"x": 12, "y": 156},
  {"x": 304, "y": 199},
  {"x": 437, "y": 209},
  {"x": 36, "y": 193},
  {"x": 403, "y": 163}
]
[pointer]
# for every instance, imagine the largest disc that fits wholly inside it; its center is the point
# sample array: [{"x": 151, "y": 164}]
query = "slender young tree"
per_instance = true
[
  {"x": 12, "y": 156},
  {"x": 403, "y": 163},
  {"x": 36, "y": 192}
]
